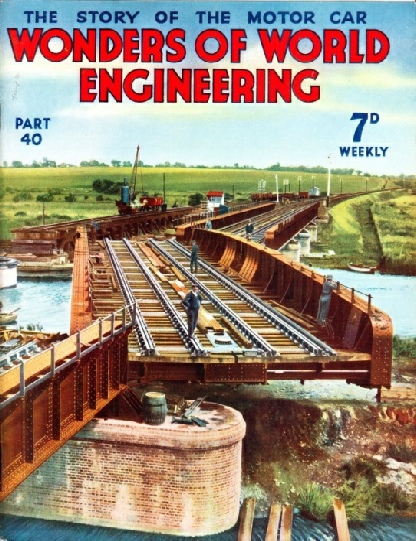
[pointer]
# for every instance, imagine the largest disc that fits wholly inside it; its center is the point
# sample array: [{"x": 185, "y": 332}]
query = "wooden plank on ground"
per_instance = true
[
  {"x": 273, "y": 523},
  {"x": 156, "y": 271},
  {"x": 178, "y": 274},
  {"x": 206, "y": 321},
  {"x": 151, "y": 255},
  {"x": 398, "y": 393},
  {"x": 286, "y": 523},
  {"x": 343, "y": 533},
  {"x": 246, "y": 519}
]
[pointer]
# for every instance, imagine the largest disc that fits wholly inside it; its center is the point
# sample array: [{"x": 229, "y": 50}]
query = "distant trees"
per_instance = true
[
  {"x": 195, "y": 199},
  {"x": 104, "y": 185},
  {"x": 45, "y": 197},
  {"x": 92, "y": 163},
  {"x": 23, "y": 196}
]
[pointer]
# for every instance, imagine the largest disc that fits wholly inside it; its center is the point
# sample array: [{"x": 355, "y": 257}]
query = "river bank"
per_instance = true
[
  {"x": 329, "y": 440},
  {"x": 375, "y": 229}
]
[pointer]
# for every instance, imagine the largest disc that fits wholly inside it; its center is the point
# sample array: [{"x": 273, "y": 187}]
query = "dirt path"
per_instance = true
[{"x": 372, "y": 248}]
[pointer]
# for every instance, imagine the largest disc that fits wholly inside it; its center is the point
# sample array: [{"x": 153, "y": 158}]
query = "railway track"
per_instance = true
[
  {"x": 233, "y": 321},
  {"x": 265, "y": 221}
]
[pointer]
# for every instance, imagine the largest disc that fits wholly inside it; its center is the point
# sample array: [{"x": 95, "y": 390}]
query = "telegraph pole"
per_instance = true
[
  {"x": 328, "y": 186},
  {"x": 277, "y": 189}
]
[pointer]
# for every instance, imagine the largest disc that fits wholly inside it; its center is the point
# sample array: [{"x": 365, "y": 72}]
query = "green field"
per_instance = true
[
  {"x": 18, "y": 183},
  {"x": 373, "y": 229}
]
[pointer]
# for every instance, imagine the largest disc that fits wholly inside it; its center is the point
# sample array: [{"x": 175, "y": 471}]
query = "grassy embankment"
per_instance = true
[
  {"x": 20, "y": 187},
  {"x": 373, "y": 229}
]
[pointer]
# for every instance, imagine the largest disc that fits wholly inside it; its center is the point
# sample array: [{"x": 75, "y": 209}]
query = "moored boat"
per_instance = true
[
  {"x": 8, "y": 317},
  {"x": 361, "y": 268}
]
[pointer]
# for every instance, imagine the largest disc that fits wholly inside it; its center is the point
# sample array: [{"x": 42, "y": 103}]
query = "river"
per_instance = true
[
  {"x": 47, "y": 302},
  {"x": 393, "y": 294},
  {"x": 31, "y": 529}
]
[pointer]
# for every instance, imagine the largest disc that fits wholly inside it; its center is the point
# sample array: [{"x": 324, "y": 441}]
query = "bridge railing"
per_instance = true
[{"x": 63, "y": 354}]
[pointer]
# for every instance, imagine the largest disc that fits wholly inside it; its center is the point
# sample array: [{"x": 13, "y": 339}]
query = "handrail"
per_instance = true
[{"x": 79, "y": 353}]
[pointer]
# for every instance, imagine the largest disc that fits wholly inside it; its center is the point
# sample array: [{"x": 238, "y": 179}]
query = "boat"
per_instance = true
[
  {"x": 8, "y": 317},
  {"x": 361, "y": 268}
]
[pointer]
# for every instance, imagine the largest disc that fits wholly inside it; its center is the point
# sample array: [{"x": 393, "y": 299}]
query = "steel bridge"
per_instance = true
[{"x": 257, "y": 324}]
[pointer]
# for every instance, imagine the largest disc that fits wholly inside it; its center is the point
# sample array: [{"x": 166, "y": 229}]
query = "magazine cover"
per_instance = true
[{"x": 246, "y": 144}]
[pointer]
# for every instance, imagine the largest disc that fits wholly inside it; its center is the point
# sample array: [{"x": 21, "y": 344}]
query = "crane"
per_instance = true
[
  {"x": 128, "y": 192},
  {"x": 128, "y": 204}
]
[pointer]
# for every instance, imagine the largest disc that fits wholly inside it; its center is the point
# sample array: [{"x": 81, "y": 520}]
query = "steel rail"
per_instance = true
[
  {"x": 141, "y": 329},
  {"x": 258, "y": 341},
  {"x": 173, "y": 314},
  {"x": 273, "y": 218},
  {"x": 291, "y": 329}
]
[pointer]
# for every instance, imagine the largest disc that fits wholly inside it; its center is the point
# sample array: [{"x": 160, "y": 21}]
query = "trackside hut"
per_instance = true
[{"x": 215, "y": 200}]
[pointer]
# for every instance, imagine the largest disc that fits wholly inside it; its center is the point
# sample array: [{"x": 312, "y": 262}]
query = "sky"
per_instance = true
[{"x": 251, "y": 134}]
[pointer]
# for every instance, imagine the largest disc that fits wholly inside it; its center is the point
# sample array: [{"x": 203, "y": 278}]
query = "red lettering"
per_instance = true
[
  {"x": 260, "y": 87},
  {"x": 335, "y": 43},
  {"x": 220, "y": 92},
  {"x": 238, "y": 44},
  {"x": 314, "y": 92},
  {"x": 201, "y": 41},
  {"x": 372, "y": 37},
  {"x": 24, "y": 44},
  {"x": 56, "y": 33},
  {"x": 279, "y": 85},
  {"x": 152, "y": 45},
  {"x": 305, "y": 35},
  {"x": 111, "y": 45},
  {"x": 110, "y": 85},
  {"x": 131, "y": 45},
  {"x": 131, "y": 77},
  {"x": 88, "y": 78},
  {"x": 201, "y": 86},
  {"x": 178, "y": 50},
  {"x": 159, "y": 86},
  {"x": 355, "y": 56},
  {"x": 84, "y": 46},
  {"x": 179, "y": 85},
  {"x": 242, "y": 86},
  {"x": 274, "y": 45}
]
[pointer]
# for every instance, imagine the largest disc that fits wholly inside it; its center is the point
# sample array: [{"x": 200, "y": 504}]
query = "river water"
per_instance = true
[
  {"x": 44, "y": 303},
  {"x": 393, "y": 294},
  {"x": 47, "y": 302},
  {"x": 376, "y": 529}
]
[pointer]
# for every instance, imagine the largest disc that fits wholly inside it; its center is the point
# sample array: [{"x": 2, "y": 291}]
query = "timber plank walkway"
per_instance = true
[{"x": 280, "y": 522}]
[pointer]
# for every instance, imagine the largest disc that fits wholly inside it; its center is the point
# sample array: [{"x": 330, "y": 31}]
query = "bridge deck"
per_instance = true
[{"x": 289, "y": 357}]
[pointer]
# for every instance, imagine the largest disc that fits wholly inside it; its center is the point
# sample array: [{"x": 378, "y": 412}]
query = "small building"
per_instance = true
[
  {"x": 8, "y": 272},
  {"x": 215, "y": 201}
]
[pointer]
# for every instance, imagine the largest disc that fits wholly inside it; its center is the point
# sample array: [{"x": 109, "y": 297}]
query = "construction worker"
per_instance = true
[
  {"x": 194, "y": 257},
  {"x": 249, "y": 229},
  {"x": 325, "y": 300},
  {"x": 192, "y": 303}
]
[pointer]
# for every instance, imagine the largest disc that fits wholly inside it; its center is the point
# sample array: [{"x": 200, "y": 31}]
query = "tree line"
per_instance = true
[{"x": 46, "y": 163}]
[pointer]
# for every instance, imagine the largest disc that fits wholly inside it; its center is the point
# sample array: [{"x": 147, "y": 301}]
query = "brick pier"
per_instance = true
[{"x": 172, "y": 478}]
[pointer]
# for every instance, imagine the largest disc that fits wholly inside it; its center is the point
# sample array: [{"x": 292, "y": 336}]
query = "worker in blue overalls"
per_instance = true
[{"x": 192, "y": 303}]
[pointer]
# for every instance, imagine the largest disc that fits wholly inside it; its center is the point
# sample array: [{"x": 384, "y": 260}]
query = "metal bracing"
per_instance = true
[
  {"x": 291, "y": 329},
  {"x": 192, "y": 344},
  {"x": 143, "y": 334},
  {"x": 258, "y": 341}
]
